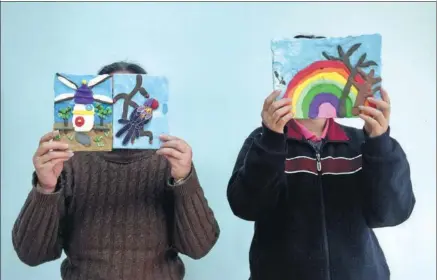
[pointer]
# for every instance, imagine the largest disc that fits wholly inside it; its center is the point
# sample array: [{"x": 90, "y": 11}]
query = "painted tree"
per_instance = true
[
  {"x": 65, "y": 114},
  {"x": 366, "y": 89},
  {"x": 102, "y": 112},
  {"x": 353, "y": 69},
  {"x": 127, "y": 97}
]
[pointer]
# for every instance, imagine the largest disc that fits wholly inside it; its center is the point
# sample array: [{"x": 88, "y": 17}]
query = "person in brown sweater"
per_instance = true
[{"x": 124, "y": 214}]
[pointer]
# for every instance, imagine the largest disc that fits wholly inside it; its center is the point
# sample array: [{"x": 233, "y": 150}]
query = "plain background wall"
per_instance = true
[{"x": 218, "y": 61}]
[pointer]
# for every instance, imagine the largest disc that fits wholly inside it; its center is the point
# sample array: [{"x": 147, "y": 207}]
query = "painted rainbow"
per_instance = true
[{"x": 316, "y": 90}]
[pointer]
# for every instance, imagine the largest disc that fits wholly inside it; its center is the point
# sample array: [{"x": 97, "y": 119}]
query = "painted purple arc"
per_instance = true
[
  {"x": 83, "y": 95},
  {"x": 320, "y": 99}
]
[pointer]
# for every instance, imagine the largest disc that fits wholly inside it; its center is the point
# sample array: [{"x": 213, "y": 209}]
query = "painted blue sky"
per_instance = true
[
  {"x": 157, "y": 87},
  {"x": 292, "y": 55},
  {"x": 104, "y": 88}
]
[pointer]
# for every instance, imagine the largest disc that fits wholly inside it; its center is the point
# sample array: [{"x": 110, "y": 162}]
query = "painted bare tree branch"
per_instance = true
[
  {"x": 354, "y": 70},
  {"x": 366, "y": 89},
  {"x": 127, "y": 97}
]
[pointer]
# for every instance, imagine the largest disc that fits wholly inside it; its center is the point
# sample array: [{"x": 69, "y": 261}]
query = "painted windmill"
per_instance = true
[{"x": 83, "y": 98}]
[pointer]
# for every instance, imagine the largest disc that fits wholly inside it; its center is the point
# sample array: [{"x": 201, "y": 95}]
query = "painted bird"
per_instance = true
[{"x": 137, "y": 119}]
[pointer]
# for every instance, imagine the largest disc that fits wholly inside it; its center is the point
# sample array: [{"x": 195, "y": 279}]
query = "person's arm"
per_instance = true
[
  {"x": 387, "y": 190},
  {"x": 258, "y": 177},
  {"x": 36, "y": 235},
  {"x": 195, "y": 228}
]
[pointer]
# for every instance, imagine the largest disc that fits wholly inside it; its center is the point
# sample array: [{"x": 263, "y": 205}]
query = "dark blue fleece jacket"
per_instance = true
[{"x": 314, "y": 208}]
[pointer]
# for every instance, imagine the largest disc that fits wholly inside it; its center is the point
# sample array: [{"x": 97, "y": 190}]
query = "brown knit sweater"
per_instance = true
[{"x": 116, "y": 216}]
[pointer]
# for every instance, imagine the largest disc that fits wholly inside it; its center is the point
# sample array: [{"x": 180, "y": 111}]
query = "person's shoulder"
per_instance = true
[{"x": 256, "y": 132}]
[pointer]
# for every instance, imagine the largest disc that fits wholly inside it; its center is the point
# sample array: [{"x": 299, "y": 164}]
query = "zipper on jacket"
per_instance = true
[
  {"x": 319, "y": 163},
  {"x": 323, "y": 212}
]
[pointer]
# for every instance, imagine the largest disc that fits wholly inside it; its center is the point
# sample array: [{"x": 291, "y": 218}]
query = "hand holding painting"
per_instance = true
[
  {"x": 376, "y": 120},
  {"x": 179, "y": 155},
  {"x": 276, "y": 113},
  {"x": 49, "y": 161}
]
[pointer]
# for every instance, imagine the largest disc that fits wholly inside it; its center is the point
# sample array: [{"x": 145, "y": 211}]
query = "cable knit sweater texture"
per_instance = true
[{"x": 116, "y": 216}]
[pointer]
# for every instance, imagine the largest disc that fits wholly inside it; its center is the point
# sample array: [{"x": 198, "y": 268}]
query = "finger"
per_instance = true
[
  {"x": 369, "y": 120},
  {"x": 383, "y": 106},
  {"x": 49, "y": 136},
  {"x": 170, "y": 152},
  {"x": 166, "y": 137},
  {"x": 375, "y": 114},
  {"x": 47, "y": 146},
  {"x": 54, "y": 162},
  {"x": 59, "y": 160},
  {"x": 54, "y": 155},
  {"x": 270, "y": 99},
  {"x": 380, "y": 104},
  {"x": 283, "y": 121},
  {"x": 278, "y": 114},
  {"x": 171, "y": 159},
  {"x": 175, "y": 144},
  {"x": 384, "y": 96},
  {"x": 278, "y": 105}
]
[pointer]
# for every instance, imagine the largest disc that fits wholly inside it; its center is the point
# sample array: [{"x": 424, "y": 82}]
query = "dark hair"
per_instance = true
[
  {"x": 122, "y": 66},
  {"x": 308, "y": 37}
]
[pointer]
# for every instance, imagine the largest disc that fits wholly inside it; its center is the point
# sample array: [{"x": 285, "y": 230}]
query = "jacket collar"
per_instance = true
[{"x": 335, "y": 132}]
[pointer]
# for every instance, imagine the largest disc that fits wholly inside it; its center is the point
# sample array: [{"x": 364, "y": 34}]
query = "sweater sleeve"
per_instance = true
[
  {"x": 195, "y": 227},
  {"x": 37, "y": 232},
  {"x": 387, "y": 189},
  {"x": 258, "y": 177}
]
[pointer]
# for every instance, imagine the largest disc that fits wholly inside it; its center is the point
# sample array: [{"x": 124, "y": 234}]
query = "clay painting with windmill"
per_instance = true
[
  {"x": 106, "y": 112},
  {"x": 83, "y": 111}
]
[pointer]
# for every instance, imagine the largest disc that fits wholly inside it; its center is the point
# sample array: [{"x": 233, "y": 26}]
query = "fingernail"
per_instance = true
[
  {"x": 56, "y": 132},
  {"x": 70, "y": 154},
  {"x": 360, "y": 106}
]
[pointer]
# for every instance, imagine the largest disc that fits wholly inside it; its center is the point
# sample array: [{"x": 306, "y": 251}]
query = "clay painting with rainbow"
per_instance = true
[{"x": 327, "y": 77}]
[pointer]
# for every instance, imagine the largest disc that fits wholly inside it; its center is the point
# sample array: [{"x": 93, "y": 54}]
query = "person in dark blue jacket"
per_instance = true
[{"x": 316, "y": 190}]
